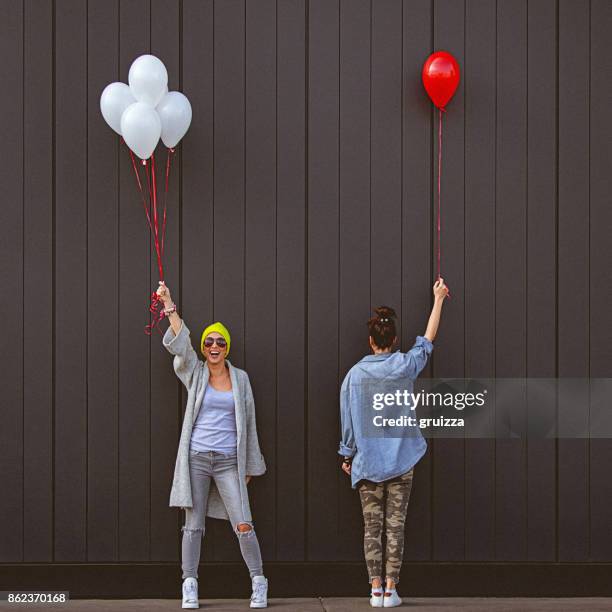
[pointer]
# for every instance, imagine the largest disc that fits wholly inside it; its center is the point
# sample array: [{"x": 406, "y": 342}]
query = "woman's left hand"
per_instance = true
[{"x": 248, "y": 478}]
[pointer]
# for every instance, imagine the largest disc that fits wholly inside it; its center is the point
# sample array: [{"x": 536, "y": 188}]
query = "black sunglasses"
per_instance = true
[{"x": 208, "y": 342}]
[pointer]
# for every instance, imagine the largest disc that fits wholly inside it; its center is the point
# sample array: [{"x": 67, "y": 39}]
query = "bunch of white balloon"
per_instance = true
[{"x": 145, "y": 110}]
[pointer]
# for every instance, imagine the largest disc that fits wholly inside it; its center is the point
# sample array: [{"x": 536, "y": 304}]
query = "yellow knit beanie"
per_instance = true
[{"x": 220, "y": 329}]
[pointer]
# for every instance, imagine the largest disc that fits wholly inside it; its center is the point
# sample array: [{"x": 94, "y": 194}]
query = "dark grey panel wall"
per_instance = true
[{"x": 302, "y": 196}]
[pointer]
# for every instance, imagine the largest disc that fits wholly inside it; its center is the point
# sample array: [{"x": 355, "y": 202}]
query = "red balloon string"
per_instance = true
[
  {"x": 156, "y": 305},
  {"x": 439, "y": 184},
  {"x": 439, "y": 188},
  {"x": 168, "y": 158},
  {"x": 156, "y": 221},
  {"x": 148, "y": 175},
  {"x": 154, "y": 193},
  {"x": 137, "y": 174},
  {"x": 152, "y": 187}
]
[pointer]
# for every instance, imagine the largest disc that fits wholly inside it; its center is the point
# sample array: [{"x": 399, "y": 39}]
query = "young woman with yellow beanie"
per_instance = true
[{"x": 218, "y": 450}]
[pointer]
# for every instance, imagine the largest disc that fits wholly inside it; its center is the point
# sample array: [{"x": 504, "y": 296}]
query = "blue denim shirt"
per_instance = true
[{"x": 380, "y": 458}]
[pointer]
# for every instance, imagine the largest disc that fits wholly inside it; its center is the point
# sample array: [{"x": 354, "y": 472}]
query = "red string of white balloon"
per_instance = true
[{"x": 141, "y": 114}]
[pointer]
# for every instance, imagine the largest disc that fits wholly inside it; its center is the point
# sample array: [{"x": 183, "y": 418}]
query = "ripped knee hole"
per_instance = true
[{"x": 244, "y": 527}]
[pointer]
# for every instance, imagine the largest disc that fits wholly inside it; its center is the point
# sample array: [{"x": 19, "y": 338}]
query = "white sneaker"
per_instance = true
[
  {"x": 392, "y": 599},
  {"x": 376, "y": 598},
  {"x": 259, "y": 598},
  {"x": 190, "y": 593}
]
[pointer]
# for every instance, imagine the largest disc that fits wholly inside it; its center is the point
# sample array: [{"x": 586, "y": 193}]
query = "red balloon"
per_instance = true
[{"x": 441, "y": 77}]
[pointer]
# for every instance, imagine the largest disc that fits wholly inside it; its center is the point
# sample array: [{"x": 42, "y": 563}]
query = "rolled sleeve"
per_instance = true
[
  {"x": 347, "y": 447},
  {"x": 417, "y": 356},
  {"x": 176, "y": 344},
  {"x": 346, "y": 451},
  {"x": 185, "y": 358},
  {"x": 425, "y": 343}
]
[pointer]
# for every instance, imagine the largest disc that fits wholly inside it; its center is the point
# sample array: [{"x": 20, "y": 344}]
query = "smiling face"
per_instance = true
[{"x": 214, "y": 354}]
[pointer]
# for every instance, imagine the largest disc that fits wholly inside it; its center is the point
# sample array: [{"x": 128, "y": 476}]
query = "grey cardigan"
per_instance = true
[{"x": 194, "y": 373}]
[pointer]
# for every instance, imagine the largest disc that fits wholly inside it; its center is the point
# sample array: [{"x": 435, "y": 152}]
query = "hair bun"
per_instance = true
[
  {"x": 385, "y": 314},
  {"x": 382, "y": 327}
]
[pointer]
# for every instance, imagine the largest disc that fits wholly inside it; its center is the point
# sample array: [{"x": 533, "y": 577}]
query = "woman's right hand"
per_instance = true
[
  {"x": 164, "y": 293},
  {"x": 440, "y": 290}
]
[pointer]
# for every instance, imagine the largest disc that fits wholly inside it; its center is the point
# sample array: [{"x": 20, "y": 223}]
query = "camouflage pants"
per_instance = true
[{"x": 384, "y": 504}]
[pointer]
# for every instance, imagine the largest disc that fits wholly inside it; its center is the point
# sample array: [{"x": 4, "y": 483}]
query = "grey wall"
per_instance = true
[{"x": 302, "y": 196}]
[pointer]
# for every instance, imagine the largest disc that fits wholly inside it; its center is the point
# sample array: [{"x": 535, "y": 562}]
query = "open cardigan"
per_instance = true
[{"x": 194, "y": 374}]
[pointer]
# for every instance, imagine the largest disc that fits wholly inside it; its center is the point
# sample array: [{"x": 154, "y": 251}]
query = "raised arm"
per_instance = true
[
  {"x": 416, "y": 358},
  {"x": 173, "y": 318},
  {"x": 177, "y": 341},
  {"x": 440, "y": 291}
]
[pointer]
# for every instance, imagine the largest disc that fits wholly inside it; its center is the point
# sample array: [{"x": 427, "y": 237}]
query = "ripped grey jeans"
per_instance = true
[{"x": 204, "y": 466}]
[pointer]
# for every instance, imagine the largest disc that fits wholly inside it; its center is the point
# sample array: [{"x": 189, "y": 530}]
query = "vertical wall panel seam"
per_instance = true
[
  {"x": 276, "y": 425},
  {"x": 527, "y": 193},
  {"x": 118, "y": 273},
  {"x": 23, "y": 51},
  {"x": 53, "y": 276},
  {"x": 465, "y": 119},
  {"x": 213, "y": 153},
  {"x": 588, "y": 474},
  {"x": 86, "y": 352},
  {"x": 370, "y": 159},
  {"x": 557, "y": 449},
  {"x": 526, "y": 273},
  {"x": 244, "y": 182},
  {"x": 495, "y": 273},
  {"x": 465, "y": 116},
  {"x": 149, "y": 361},
  {"x": 306, "y": 266},
  {"x": 338, "y": 268},
  {"x": 401, "y": 173}
]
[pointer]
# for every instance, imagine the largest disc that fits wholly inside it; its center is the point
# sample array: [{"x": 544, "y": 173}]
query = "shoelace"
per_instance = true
[{"x": 259, "y": 589}]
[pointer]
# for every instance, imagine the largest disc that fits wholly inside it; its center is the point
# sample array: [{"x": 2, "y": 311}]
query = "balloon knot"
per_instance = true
[{"x": 144, "y": 162}]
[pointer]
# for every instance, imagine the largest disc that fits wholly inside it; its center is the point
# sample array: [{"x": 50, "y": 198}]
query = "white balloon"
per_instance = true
[
  {"x": 115, "y": 98},
  {"x": 141, "y": 129},
  {"x": 148, "y": 79},
  {"x": 175, "y": 114}
]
